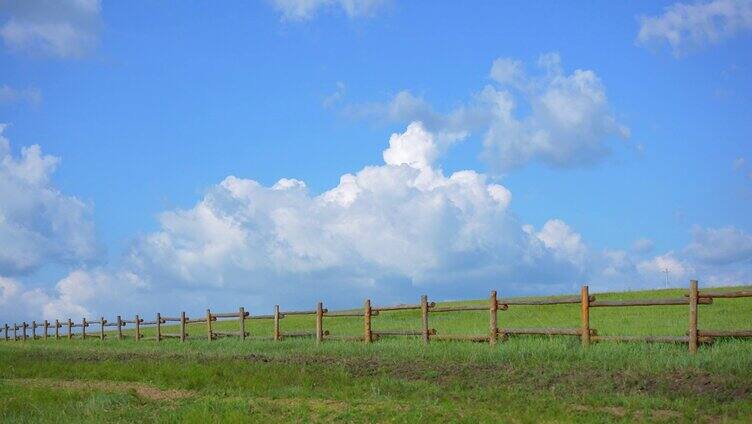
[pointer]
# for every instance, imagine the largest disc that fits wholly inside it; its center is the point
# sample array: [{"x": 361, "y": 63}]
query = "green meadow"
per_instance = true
[{"x": 523, "y": 379}]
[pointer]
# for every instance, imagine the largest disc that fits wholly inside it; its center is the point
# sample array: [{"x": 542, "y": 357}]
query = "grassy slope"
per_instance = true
[{"x": 527, "y": 379}]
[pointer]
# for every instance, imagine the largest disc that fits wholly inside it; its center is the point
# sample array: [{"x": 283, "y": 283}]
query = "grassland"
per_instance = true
[{"x": 526, "y": 379}]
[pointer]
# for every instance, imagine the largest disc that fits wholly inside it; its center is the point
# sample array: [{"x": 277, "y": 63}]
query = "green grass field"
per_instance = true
[{"x": 525, "y": 379}]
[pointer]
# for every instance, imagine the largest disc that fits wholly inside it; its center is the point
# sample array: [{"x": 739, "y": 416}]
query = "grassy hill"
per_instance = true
[{"x": 525, "y": 379}]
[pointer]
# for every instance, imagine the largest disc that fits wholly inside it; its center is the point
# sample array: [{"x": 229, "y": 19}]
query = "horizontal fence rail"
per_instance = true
[{"x": 587, "y": 335}]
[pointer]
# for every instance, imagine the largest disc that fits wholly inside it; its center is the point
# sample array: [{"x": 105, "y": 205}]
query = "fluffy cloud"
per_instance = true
[
  {"x": 567, "y": 120},
  {"x": 389, "y": 229},
  {"x": 38, "y": 224},
  {"x": 64, "y": 28},
  {"x": 299, "y": 10},
  {"x": 10, "y": 95},
  {"x": 686, "y": 27}
]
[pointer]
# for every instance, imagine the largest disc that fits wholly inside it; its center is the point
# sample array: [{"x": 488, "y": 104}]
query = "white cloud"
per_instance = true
[
  {"x": 720, "y": 246},
  {"x": 10, "y": 95},
  {"x": 38, "y": 224},
  {"x": 562, "y": 120},
  {"x": 300, "y": 10},
  {"x": 561, "y": 239},
  {"x": 643, "y": 245},
  {"x": 654, "y": 269},
  {"x": 61, "y": 28},
  {"x": 686, "y": 27}
]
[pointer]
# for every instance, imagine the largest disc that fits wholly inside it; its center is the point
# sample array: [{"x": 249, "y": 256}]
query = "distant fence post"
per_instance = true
[
  {"x": 102, "y": 322},
  {"x": 277, "y": 335},
  {"x": 693, "y": 296},
  {"x": 138, "y": 328},
  {"x": 159, "y": 327},
  {"x": 6, "y": 332},
  {"x": 585, "y": 316},
  {"x": 493, "y": 319},
  {"x": 319, "y": 322},
  {"x": 182, "y": 326},
  {"x": 46, "y": 329},
  {"x": 367, "y": 334},
  {"x": 57, "y": 329},
  {"x": 33, "y": 330},
  {"x": 424, "y": 317},
  {"x": 208, "y": 325},
  {"x": 23, "y": 330},
  {"x": 83, "y": 328},
  {"x": 241, "y": 317},
  {"x": 120, "y": 327},
  {"x": 70, "y": 329},
  {"x": 15, "y": 332}
]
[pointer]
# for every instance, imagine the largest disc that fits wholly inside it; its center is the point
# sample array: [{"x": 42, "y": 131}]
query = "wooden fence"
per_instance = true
[{"x": 587, "y": 335}]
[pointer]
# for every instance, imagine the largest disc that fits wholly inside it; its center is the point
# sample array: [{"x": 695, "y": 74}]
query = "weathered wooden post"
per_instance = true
[
  {"x": 57, "y": 329},
  {"x": 493, "y": 327},
  {"x": 70, "y": 329},
  {"x": 120, "y": 327},
  {"x": 585, "y": 316},
  {"x": 208, "y": 324},
  {"x": 46, "y": 329},
  {"x": 367, "y": 334},
  {"x": 83, "y": 329},
  {"x": 319, "y": 322},
  {"x": 23, "y": 330},
  {"x": 102, "y": 322},
  {"x": 277, "y": 335},
  {"x": 183, "y": 323},
  {"x": 138, "y": 322},
  {"x": 693, "y": 296},
  {"x": 424, "y": 317},
  {"x": 159, "y": 327},
  {"x": 7, "y": 336},
  {"x": 241, "y": 317},
  {"x": 33, "y": 330},
  {"x": 15, "y": 332}
]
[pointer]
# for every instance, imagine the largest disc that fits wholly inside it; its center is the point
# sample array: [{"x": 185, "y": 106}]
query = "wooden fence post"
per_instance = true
[
  {"x": 33, "y": 330},
  {"x": 241, "y": 317},
  {"x": 6, "y": 332},
  {"x": 319, "y": 322},
  {"x": 367, "y": 335},
  {"x": 693, "y": 296},
  {"x": 46, "y": 329},
  {"x": 15, "y": 332},
  {"x": 138, "y": 328},
  {"x": 120, "y": 327},
  {"x": 102, "y": 322},
  {"x": 424, "y": 317},
  {"x": 493, "y": 328},
  {"x": 57, "y": 329},
  {"x": 208, "y": 325},
  {"x": 83, "y": 329},
  {"x": 70, "y": 329},
  {"x": 159, "y": 327},
  {"x": 277, "y": 335},
  {"x": 585, "y": 315},
  {"x": 182, "y": 326}
]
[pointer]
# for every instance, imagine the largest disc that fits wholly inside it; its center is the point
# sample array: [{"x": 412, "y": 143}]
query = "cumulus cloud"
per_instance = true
[
  {"x": 300, "y": 10},
  {"x": 64, "y": 28},
  {"x": 686, "y": 27},
  {"x": 562, "y": 120},
  {"x": 38, "y": 224},
  {"x": 10, "y": 95}
]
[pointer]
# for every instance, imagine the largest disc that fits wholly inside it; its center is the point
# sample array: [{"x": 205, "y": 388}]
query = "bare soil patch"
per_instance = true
[{"x": 142, "y": 390}]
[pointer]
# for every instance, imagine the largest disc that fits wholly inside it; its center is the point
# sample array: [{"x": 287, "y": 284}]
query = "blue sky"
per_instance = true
[{"x": 149, "y": 107}]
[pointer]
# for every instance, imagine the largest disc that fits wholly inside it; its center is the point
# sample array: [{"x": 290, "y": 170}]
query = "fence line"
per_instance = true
[{"x": 693, "y": 337}]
